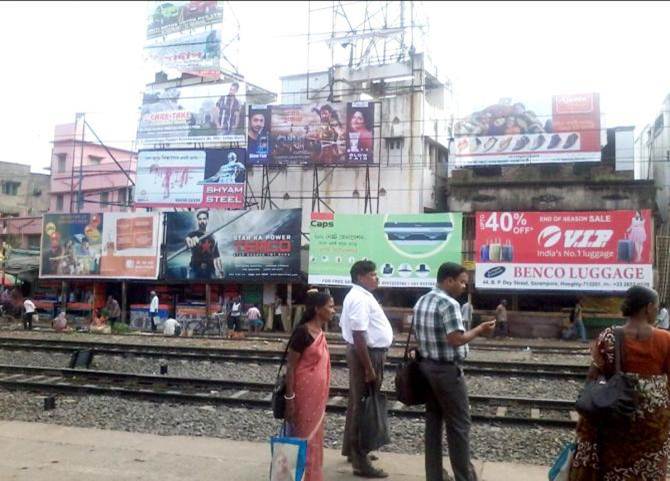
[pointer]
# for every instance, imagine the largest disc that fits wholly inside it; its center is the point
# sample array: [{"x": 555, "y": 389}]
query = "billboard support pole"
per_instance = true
[
  {"x": 368, "y": 195},
  {"x": 124, "y": 300},
  {"x": 123, "y": 171},
  {"x": 80, "y": 197},
  {"x": 379, "y": 157},
  {"x": 208, "y": 300}
]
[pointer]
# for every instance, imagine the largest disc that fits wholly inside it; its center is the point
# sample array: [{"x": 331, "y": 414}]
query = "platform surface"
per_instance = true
[{"x": 48, "y": 452}]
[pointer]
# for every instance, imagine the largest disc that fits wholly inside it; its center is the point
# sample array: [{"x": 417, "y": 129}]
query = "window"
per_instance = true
[
  {"x": 10, "y": 188},
  {"x": 61, "y": 163},
  {"x": 94, "y": 160},
  {"x": 59, "y": 202},
  {"x": 394, "y": 143},
  {"x": 104, "y": 198}
]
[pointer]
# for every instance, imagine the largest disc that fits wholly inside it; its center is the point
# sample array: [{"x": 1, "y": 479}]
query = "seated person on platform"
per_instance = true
[
  {"x": 59, "y": 323},
  {"x": 99, "y": 323},
  {"x": 171, "y": 327}
]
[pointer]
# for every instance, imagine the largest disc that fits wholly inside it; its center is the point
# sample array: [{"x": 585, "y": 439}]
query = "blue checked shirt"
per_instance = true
[{"x": 436, "y": 315}]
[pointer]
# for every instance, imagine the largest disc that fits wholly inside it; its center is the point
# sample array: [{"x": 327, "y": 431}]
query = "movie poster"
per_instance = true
[
  {"x": 241, "y": 246},
  {"x": 258, "y": 134},
  {"x": 71, "y": 245},
  {"x": 360, "y": 137}
]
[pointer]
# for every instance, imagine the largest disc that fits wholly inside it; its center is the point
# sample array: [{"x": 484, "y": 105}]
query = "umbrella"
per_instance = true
[{"x": 7, "y": 280}]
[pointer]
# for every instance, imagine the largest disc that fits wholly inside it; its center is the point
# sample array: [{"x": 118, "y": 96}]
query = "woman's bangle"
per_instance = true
[{"x": 288, "y": 398}]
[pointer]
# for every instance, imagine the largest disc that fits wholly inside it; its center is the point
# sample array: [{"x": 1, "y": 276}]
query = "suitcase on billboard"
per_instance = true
[
  {"x": 484, "y": 253},
  {"x": 507, "y": 253},
  {"x": 625, "y": 250}
]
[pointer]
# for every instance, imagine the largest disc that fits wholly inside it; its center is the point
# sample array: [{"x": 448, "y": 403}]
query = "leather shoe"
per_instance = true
[{"x": 370, "y": 471}]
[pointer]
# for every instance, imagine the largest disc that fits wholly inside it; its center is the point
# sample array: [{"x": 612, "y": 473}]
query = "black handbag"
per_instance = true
[
  {"x": 613, "y": 399},
  {"x": 411, "y": 386},
  {"x": 279, "y": 390},
  {"x": 373, "y": 426}
]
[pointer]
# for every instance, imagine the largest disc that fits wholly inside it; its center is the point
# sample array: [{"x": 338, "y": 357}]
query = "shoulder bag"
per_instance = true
[
  {"x": 410, "y": 385},
  {"x": 610, "y": 399},
  {"x": 279, "y": 390}
]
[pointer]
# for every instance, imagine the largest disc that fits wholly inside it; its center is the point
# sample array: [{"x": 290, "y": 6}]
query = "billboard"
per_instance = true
[
  {"x": 322, "y": 134},
  {"x": 212, "y": 178},
  {"x": 203, "y": 113},
  {"x": 164, "y": 18},
  {"x": 244, "y": 246},
  {"x": 111, "y": 245},
  {"x": 510, "y": 133},
  {"x": 407, "y": 248},
  {"x": 570, "y": 251},
  {"x": 193, "y": 53}
]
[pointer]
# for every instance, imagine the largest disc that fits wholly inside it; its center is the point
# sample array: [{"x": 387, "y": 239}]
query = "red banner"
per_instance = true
[{"x": 593, "y": 250}]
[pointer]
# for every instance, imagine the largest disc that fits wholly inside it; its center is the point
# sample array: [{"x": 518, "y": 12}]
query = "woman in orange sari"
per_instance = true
[
  {"x": 308, "y": 380},
  {"x": 636, "y": 450}
]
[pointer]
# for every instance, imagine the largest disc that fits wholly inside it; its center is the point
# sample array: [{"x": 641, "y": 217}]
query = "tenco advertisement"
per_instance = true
[
  {"x": 322, "y": 134},
  {"x": 407, "y": 249},
  {"x": 511, "y": 133},
  {"x": 242, "y": 246},
  {"x": 213, "y": 178},
  {"x": 111, "y": 245},
  {"x": 204, "y": 113},
  {"x": 584, "y": 251}
]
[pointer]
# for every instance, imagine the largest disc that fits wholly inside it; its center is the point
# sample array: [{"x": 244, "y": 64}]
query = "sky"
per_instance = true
[{"x": 66, "y": 57}]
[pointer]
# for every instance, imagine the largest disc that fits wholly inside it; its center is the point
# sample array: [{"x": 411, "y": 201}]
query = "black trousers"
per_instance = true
[
  {"x": 28, "y": 321},
  {"x": 447, "y": 404},
  {"x": 357, "y": 389},
  {"x": 152, "y": 317}
]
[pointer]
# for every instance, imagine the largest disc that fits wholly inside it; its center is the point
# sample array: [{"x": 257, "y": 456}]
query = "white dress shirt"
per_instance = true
[
  {"x": 153, "y": 307},
  {"x": 29, "y": 306},
  {"x": 169, "y": 326},
  {"x": 362, "y": 312}
]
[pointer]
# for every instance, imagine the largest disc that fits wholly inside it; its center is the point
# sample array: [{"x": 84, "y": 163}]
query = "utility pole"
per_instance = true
[{"x": 81, "y": 164}]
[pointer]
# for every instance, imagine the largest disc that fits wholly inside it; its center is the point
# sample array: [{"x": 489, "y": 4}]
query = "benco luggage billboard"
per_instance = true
[{"x": 585, "y": 251}]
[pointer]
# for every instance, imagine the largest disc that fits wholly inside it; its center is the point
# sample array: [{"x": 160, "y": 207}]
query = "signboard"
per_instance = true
[
  {"x": 213, "y": 178},
  {"x": 322, "y": 134},
  {"x": 570, "y": 251},
  {"x": 407, "y": 248},
  {"x": 193, "y": 53},
  {"x": 112, "y": 245},
  {"x": 509, "y": 133},
  {"x": 245, "y": 246},
  {"x": 164, "y": 18},
  {"x": 204, "y": 113}
]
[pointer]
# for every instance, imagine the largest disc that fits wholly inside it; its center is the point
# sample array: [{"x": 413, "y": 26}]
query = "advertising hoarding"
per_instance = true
[
  {"x": 322, "y": 134},
  {"x": 204, "y": 113},
  {"x": 570, "y": 251},
  {"x": 212, "y": 178},
  {"x": 509, "y": 133},
  {"x": 112, "y": 245},
  {"x": 243, "y": 246},
  {"x": 164, "y": 18},
  {"x": 407, "y": 248},
  {"x": 193, "y": 53}
]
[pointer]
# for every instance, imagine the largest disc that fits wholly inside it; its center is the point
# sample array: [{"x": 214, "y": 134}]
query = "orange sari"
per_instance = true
[{"x": 312, "y": 382}]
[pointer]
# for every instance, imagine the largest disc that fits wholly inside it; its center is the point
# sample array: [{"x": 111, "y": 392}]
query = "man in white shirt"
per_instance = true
[
  {"x": 663, "y": 319},
  {"x": 466, "y": 313},
  {"x": 171, "y": 327},
  {"x": 368, "y": 334},
  {"x": 29, "y": 308},
  {"x": 153, "y": 310}
]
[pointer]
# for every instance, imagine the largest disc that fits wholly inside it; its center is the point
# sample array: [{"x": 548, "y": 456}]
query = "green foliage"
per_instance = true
[{"x": 120, "y": 328}]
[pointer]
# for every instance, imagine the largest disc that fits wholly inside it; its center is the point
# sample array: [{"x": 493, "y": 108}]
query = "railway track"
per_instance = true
[
  {"x": 497, "y": 368},
  {"x": 509, "y": 410}
]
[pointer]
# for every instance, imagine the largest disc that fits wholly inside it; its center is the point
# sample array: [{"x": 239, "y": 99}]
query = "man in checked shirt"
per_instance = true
[{"x": 442, "y": 340}]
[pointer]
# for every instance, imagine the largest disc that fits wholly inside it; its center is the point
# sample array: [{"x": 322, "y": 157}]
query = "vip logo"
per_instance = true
[{"x": 574, "y": 238}]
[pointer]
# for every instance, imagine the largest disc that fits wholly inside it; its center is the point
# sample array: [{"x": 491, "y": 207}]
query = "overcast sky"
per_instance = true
[{"x": 65, "y": 57}]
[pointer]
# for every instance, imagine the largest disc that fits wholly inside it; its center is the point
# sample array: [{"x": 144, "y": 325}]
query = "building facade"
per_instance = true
[
  {"x": 22, "y": 192},
  {"x": 84, "y": 176}
]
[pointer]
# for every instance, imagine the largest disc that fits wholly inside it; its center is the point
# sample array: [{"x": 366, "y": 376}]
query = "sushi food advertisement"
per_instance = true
[
  {"x": 510, "y": 132},
  {"x": 407, "y": 248},
  {"x": 566, "y": 251}
]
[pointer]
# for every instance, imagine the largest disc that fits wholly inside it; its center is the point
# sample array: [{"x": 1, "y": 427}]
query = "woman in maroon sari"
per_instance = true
[{"x": 308, "y": 380}]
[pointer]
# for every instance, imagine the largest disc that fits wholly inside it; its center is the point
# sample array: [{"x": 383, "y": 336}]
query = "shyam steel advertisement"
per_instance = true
[
  {"x": 110, "y": 245},
  {"x": 570, "y": 251},
  {"x": 204, "y": 113},
  {"x": 213, "y": 178},
  {"x": 240, "y": 246},
  {"x": 407, "y": 248},
  {"x": 510, "y": 132},
  {"x": 322, "y": 134}
]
